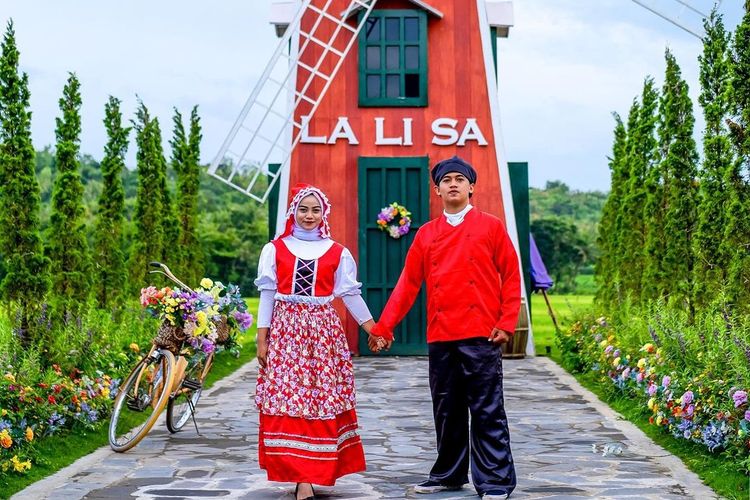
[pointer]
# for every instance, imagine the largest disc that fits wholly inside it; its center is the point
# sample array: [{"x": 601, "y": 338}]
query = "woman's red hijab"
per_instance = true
[{"x": 299, "y": 192}]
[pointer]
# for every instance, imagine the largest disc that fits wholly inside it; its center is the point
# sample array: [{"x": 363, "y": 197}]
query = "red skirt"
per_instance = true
[
  {"x": 300, "y": 450},
  {"x": 305, "y": 394}
]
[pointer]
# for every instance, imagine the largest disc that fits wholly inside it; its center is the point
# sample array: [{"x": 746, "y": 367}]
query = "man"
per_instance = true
[{"x": 473, "y": 297}]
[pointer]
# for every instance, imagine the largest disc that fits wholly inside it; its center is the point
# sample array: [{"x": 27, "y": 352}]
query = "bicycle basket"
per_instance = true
[
  {"x": 170, "y": 337},
  {"x": 222, "y": 330}
]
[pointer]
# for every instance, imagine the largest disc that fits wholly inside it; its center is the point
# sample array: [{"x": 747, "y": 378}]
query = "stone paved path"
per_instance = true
[{"x": 556, "y": 426}]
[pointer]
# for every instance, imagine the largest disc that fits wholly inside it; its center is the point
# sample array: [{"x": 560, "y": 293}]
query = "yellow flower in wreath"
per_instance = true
[{"x": 29, "y": 434}]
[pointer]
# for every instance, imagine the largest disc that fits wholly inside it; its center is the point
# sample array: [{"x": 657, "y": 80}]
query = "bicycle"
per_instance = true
[{"x": 161, "y": 378}]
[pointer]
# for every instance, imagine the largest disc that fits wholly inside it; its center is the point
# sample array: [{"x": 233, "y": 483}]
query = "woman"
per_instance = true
[{"x": 305, "y": 392}]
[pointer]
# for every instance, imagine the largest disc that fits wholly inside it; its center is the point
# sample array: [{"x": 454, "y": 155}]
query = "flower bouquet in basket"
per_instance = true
[{"x": 202, "y": 319}]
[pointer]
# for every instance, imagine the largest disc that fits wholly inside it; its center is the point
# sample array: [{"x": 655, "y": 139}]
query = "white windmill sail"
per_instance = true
[
  {"x": 267, "y": 130},
  {"x": 685, "y": 14}
]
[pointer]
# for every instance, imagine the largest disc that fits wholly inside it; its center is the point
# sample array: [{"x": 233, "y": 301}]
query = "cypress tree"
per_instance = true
[
  {"x": 737, "y": 234},
  {"x": 606, "y": 273},
  {"x": 679, "y": 168},
  {"x": 652, "y": 280},
  {"x": 109, "y": 259},
  {"x": 186, "y": 162},
  {"x": 631, "y": 227},
  {"x": 26, "y": 280},
  {"x": 68, "y": 247},
  {"x": 149, "y": 235},
  {"x": 712, "y": 260},
  {"x": 170, "y": 250}
]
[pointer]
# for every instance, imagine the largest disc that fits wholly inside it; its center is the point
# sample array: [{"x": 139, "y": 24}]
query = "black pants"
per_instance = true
[{"x": 466, "y": 377}]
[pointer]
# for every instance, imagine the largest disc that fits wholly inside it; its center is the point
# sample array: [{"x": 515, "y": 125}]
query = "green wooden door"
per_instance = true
[{"x": 381, "y": 258}]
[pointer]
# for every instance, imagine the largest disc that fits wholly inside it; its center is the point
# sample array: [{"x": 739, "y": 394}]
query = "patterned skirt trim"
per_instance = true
[{"x": 299, "y": 450}]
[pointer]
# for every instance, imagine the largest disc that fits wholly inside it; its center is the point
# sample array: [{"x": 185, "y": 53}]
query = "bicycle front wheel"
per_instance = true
[
  {"x": 141, "y": 399},
  {"x": 181, "y": 405}
]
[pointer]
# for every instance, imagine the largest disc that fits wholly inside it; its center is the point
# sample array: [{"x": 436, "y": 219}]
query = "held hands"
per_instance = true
[
  {"x": 376, "y": 344},
  {"x": 499, "y": 336}
]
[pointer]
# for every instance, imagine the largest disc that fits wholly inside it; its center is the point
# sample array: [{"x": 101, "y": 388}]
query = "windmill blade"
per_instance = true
[
  {"x": 273, "y": 119},
  {"x": 687, "y": 15}
]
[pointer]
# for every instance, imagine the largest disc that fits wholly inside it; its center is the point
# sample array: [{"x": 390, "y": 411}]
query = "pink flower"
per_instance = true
[
  {"x": 651, "y": 389},
  {"x": 639, "y": 377},
  {"x": 687, "y": 398},
  {"x": 665, "y": 381},
  {"x": 626, "y": 372},
  {"x": 747, "y": 415},
  {"x": 689, "y": 410},
  {"x": 740, "y": 398}
]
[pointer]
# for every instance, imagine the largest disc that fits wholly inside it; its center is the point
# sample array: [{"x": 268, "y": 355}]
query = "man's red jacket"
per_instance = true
[{"x": 473, "y": 282}]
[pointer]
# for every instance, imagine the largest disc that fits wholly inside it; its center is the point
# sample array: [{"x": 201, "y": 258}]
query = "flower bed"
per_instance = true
[
  {"x": 699, "y": 405},
  {"x": 60, "y": 402}
]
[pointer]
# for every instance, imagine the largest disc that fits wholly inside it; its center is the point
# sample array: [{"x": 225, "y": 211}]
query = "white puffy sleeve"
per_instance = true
[
  {"x": 267, "y": 284},
  {"x": 346, "y": 286}
]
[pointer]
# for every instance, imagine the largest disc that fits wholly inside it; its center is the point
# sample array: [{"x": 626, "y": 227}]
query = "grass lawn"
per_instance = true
[
  {"x": 61, "y": 451},
  {"x": 564, "y": 307}
]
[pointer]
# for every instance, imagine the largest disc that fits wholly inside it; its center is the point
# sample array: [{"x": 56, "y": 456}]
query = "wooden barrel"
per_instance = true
[{"x": 516, "y": 348}]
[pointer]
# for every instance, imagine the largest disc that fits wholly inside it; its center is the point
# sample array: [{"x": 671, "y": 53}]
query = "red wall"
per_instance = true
[{"x": 457, "y": 88}]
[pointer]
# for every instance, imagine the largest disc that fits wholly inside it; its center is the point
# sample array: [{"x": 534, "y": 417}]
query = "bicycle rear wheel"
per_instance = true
[
  {"x": 141, "y": 399},
  {"x": 182, "y": 403}
]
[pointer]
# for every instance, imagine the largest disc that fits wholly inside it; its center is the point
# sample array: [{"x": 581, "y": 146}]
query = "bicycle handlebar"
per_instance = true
[{"x": 163, "y": 269}]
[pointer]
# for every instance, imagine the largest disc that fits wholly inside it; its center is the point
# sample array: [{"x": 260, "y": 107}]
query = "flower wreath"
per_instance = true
[{"x": 395, "y": 219}]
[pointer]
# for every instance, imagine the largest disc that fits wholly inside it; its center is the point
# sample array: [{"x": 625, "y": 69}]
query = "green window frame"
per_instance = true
[{"x": 393, "y": 59}]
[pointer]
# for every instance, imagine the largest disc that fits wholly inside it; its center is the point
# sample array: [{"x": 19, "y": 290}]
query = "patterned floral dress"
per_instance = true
[{"x": 305, "y": 393}]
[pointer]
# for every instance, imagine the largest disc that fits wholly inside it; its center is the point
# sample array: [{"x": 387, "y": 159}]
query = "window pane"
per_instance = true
[
  {"x": 373, "y": 86},
  {"x": 392, "y": 28},
  {"x": 372, "y": 29},
  {"x": 392, "y": 57},
  {"x": 411, "y": 85},
  {"x": 392, "y": 86},
  {"x": 411, "y": 29},
  {"x": 373, "y": 57},
  {"x": 411, "y": 57}
]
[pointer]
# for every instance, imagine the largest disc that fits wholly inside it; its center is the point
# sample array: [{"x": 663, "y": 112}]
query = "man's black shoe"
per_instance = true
[{"x": 431, "y": 486}]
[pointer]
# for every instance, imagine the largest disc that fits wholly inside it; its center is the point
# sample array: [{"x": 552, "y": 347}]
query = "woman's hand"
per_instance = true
[
  {"x": 262, "y": 346},
  {"x": 367, "y": 326}
]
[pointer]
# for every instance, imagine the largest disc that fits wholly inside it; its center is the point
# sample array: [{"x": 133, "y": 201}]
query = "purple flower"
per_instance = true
[
  {"x": 687, "y": 398},
  {"x": 689, "y": 410},
  {"x": 639, "y": 377},
  {"x": 609, "y": 349},
  {"x": 747, "y": 415},
  {"x": 740, "y": 398},
  {"x": 651, "y": 389},
  {"x": 244, "y": 319},
  {"x": 617, "y": 353},
  {"x": 665, "y": 381},
  {"x": 207, "y": 346}
]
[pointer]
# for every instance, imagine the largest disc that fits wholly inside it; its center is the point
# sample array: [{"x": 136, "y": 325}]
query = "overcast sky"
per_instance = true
[{"x": 567, "y": 65}]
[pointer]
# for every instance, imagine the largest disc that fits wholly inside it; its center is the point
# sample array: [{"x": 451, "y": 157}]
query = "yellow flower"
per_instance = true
[
  {"x": 206, "y": 283},
  {"x": 3, "y": 412},
  {"x": 616, "y": 362},
  {"x": 641, "y": 362},
  {"x": 29, "y": 434},
  {"x": 651, "y": 403},
  {"x": 5, "y": 440},
  {"x": 10, "y": 377},
  {"x": 603, "y": 343},
  {"x": 105, "y": 392},
  {"x": 19, "y": 466},
  {"x": 134, "y": 347},
  {"x": 659, "y": 420}
]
